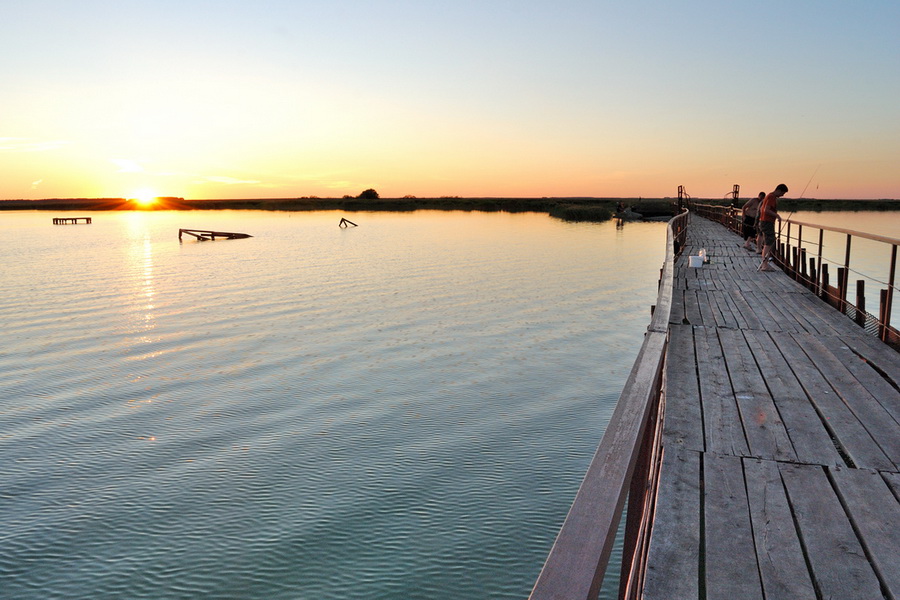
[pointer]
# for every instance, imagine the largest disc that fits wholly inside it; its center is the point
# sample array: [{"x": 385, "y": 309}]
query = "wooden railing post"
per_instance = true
[
  {"x": 861, "y": 302},
  {"x": 803, "y": 274},
  {"x": 842, "y": 289},
  {"x": 792, "y": 254},
  {"x": 795, "y": 259},
  {"x": 813, "y": 275},
  {"x": 819, "y": 276},
  {"x": 889, "y": 300},
  {"x": 844, "y": 283}
]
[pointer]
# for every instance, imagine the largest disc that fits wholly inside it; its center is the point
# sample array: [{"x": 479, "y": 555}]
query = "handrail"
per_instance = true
[
  {"x": 813, "y": 273},
  {"x": 575, "y": 567},
  {"x": 794, "y": 262},
  {"x": 860, "y": 234}
]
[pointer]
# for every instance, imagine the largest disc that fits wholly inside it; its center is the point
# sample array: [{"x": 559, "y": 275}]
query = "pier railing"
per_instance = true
[
  {"x": 812, "y": 253},
  {"x": 624, "y": 465},
  {"x": 820, "y": 257},
  {"x": 729, "y": 216}
]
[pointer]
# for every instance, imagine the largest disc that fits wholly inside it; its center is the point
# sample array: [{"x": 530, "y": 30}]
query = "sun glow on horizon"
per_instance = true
[{"x": 144, "y": 197}]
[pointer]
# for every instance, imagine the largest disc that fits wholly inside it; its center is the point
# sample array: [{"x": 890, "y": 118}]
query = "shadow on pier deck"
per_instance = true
[{"x": 759, "y": 438}]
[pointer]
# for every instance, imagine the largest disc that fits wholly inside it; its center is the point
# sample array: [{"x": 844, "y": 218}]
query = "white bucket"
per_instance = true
[{"x": 695, "y": 261}]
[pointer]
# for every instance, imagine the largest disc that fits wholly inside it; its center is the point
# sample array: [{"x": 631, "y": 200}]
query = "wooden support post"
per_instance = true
[
  {"x": 786, "y": 245},
  {"x": 882, "y": 316},
  {"x": 861, "y": 302},
  {"x": 819, "y": 276},
  {"x": 823, "y": 289},
  {"x": 803, "y": 265},
  {"x": 795, "y": 257},
  {"x": 812, "y": 274},
  {"x": 844, "y": 282},
  {"x": 889, "y": 300},
  {"x": 842, "y": 289}
]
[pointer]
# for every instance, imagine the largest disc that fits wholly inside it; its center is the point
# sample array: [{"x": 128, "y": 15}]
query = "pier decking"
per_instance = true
[
  {"x": 771, "y": 469},
  {"x": 780, "y": 475}
]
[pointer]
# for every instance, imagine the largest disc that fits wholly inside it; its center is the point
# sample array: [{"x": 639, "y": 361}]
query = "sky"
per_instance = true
[{"x": 499, "y": 98}]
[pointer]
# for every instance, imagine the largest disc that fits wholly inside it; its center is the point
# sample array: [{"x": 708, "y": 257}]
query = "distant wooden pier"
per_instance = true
[
  {"x": 757, "y": 441},
  {"x": 71, "y": 220},
  {"x": 206, "y": 235}
]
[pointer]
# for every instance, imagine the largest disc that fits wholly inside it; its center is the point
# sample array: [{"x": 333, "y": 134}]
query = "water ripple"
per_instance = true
[{"x": 400, "y": 411}]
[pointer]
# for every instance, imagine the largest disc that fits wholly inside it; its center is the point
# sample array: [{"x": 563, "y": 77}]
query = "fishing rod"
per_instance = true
[
  {"x": 781, "y": 221},
  {"x": 798, "y": 198}
]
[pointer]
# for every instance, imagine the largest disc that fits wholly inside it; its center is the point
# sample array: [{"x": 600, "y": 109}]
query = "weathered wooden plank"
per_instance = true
[
  {"x": 885, "y": 359},
  {"x": 731, "y": 570},
  {"x": 722, "y": 424},
  {"x": 809, "y": 436},
  {"x": 692, "y": 308},
  {"x": 683, "y": 419},
  {"x": 692, "y": 280},
  {"x": 673, "y": 559},
  {"x": 677, "y": 315},
  {"x": 706, "y": 310},
  {"x": 782, "y": 319},
  {"x": 840, "y": 323},
  {"x": 875, "y": 514},
  {"x": 807, "y": 321},
  {"x": 824, "y": 322},
  {"x": 839, "y": 565},
  {"x": 850, "y": 434},
  {"x": 747, "y": 313},
  {"x": 893, "y": 482},
  {"x": 769, "y": 318},
  {"x": 745, "y": 283},
  {"x": 866, "y": 374},
  {"x": 874, "y": 417},
  {"x": 765, "y": 431},
  {"x": 782, "y": 568},
  {"x": 725, "y": 316},
  {"x": 726, "y": 298},
  {"x": 720, "y": 318}
]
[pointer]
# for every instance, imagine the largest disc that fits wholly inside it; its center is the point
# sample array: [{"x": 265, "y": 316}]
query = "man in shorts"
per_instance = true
[
  {"x": 768, "y": 214},
  {"x": 750, "y": 212}
]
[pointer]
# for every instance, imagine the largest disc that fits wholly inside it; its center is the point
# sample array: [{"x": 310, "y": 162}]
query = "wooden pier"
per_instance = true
[
  {"x": 759, "y": 439},
  {"x": 206, "y": 235},
  {"x": 71, "y": 220}
]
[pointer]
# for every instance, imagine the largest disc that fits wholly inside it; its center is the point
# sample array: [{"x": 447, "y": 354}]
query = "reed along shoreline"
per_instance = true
[{"x": 570, "y": 209}]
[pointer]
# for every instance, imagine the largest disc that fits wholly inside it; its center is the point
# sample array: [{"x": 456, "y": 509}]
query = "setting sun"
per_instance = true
[{"x": 144, "y": 197}]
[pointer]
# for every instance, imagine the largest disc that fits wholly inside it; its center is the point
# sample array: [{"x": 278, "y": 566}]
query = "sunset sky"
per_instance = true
[{"x": 240, "y": 99}]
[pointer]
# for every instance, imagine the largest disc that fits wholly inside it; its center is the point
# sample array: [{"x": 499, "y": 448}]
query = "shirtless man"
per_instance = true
[
  {"x": 768, "y": 214},
  {"x": 750, "y": 211}
]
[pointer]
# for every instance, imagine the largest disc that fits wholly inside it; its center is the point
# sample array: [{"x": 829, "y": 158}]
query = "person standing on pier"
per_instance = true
[
  {"x": 750, "y": 210},
  {"x": 768, "y": 214}
]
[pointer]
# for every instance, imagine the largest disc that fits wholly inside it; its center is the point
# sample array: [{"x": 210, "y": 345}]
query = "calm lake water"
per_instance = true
[{"x": 399, "y": 410}]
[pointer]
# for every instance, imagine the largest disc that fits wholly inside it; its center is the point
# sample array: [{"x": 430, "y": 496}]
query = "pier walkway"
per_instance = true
[
  {"x": 780, "y": 471},
  {"x": 756, "y": 440}
]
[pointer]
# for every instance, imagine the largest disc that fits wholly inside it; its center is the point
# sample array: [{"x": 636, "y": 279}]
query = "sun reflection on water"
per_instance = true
[{"x": 141, "y": 269}]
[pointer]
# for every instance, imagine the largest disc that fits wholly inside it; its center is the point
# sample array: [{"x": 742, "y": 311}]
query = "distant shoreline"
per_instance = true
[{"x": 570, "y": 209}]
